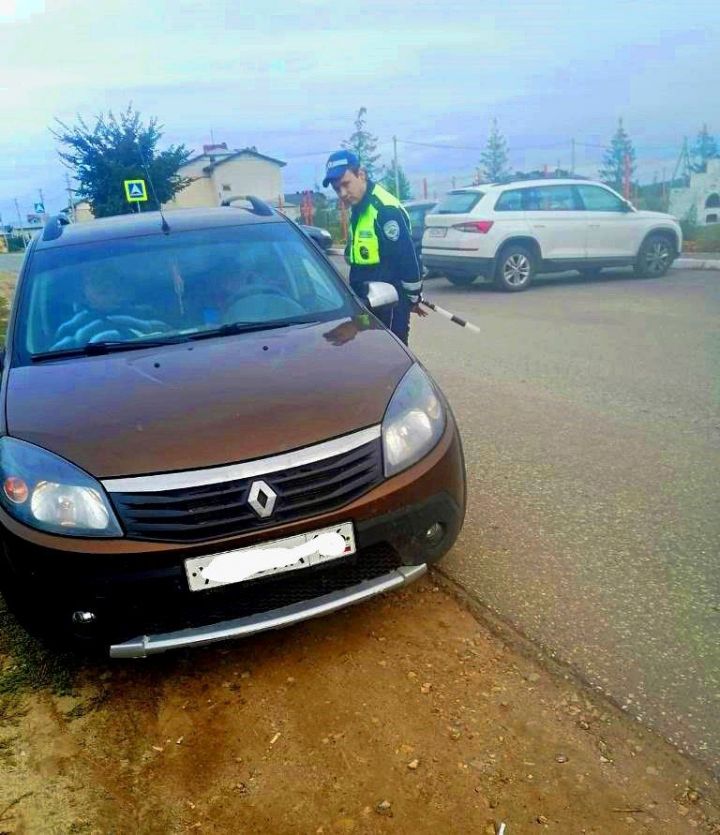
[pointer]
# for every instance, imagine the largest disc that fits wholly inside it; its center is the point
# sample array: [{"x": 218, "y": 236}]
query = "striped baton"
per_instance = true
[{"x": 451, "y": 316}]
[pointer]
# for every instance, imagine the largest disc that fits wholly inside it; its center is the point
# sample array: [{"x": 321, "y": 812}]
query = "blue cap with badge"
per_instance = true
[{"x": 337, "y": 164}]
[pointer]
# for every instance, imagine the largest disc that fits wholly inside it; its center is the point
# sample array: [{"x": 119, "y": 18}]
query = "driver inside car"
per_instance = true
[
  {"x": 106, "y": 312},
  {"x": 245, "y": 293}
]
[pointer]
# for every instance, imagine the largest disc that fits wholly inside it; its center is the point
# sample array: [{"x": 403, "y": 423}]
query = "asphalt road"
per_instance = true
[{"x": 589, "y": 414}]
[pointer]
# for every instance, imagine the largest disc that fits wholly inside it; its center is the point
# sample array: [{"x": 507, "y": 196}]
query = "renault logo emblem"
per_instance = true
[{"x": 261, "y": 499}]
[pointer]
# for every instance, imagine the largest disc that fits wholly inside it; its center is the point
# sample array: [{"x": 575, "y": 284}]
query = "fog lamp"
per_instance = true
[{"x": 434, "y": 533}]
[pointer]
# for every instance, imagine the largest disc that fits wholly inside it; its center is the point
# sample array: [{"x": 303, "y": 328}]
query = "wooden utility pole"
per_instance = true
[{"x": 20, "y": 223}]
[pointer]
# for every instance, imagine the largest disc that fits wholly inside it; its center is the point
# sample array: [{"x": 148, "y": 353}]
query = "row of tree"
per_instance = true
[
  {"x": 124, "y": 148},
  {"x": 117, "y": 149},
  {"x": 618, "y": 164}
]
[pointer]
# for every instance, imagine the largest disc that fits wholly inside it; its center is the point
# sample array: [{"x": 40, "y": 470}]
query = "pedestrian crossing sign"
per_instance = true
[{"x": 135, "y": 191}]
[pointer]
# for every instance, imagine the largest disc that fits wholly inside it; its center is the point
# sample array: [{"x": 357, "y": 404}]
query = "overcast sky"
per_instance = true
[{"x": 288, "y": 77}]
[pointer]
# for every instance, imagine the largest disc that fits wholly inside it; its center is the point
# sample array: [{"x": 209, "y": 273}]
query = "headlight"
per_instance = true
[
  {"x": 46, "y": 492},
  {"x": 414, "y": 421}
]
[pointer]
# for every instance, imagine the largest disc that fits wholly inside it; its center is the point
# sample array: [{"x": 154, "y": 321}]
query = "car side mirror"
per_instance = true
[
  {"x": 381, "y": 294},
  {"x": 627, "y": 206}
]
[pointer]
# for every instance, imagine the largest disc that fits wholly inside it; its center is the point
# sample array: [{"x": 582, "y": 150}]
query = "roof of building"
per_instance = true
[
  {"x": 217, "y": 158},
  {"x": 252, "y": 152}
]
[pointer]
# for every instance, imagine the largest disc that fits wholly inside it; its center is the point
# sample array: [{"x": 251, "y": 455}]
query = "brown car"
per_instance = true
[{"x": 205, "y": 434}]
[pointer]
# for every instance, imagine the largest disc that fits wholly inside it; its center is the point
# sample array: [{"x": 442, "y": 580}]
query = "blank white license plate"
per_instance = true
[
  {"x": 437, "y": 232},
  {"x": 194, "y": 566}
]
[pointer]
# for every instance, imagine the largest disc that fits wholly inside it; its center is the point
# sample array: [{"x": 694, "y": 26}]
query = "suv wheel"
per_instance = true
[
  {"x": 460, "y": 280},
  {"x": 515, "y": 269},
  {"x": 655, "y": 257}
]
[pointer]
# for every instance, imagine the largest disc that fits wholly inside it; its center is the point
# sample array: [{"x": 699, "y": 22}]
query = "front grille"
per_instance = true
[
  {"x": 194, "y": 609},
  {"x": 199, "y": 513}
]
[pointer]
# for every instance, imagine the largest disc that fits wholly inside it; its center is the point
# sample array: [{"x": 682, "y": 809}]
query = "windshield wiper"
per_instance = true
[
  {"x": 108, "y": 346},
  {"x": 92, "y": 349},
  {"x": 245, "y": 327}
]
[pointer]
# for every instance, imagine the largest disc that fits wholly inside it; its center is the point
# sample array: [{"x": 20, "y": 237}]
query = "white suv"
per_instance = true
[{"x": 511, "y": 232}]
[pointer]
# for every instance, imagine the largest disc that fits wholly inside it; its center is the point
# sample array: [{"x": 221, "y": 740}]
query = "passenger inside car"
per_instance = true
[{"x": 107, "y": 311}]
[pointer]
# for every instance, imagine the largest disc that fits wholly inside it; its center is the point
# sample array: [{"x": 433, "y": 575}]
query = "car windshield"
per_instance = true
[
  {"x": 459, "y": 203},
  {"x": 165, "y": 287}
]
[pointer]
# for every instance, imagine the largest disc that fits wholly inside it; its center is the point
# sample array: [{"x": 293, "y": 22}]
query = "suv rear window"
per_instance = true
[{"x": 459, "y": 202}]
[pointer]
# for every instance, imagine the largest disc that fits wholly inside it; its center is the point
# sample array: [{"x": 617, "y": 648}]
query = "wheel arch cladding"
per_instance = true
[{"x": 524, "y": 241}]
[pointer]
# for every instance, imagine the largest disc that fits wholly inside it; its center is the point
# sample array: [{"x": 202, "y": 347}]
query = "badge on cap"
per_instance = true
[
  {"x": 392, "y": 230},
  {"x": 334, "y": 163}
]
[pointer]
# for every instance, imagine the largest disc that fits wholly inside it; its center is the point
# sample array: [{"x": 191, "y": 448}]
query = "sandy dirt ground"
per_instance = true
[{"x": 409, "y": 714}]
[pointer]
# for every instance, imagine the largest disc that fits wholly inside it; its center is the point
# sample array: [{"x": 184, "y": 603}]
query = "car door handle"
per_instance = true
[
  {"x": 595, "y": 225},
  {"x": 538, "y": 225}
]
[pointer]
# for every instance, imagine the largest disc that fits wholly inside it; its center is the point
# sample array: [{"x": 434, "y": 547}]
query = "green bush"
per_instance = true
[
  {"x": 4, "y": 312},
  {"x": 689, "y": 225},
  {"x": 689, "y": 230},
  {"x": 708, "y": 238}
]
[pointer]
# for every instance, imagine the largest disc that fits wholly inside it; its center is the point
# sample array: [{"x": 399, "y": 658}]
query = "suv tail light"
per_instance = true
[{"x": 481, "y": 226}]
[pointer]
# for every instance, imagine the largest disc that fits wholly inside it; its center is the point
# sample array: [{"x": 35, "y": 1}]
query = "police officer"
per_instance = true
[{"x": 379, "y": 245}]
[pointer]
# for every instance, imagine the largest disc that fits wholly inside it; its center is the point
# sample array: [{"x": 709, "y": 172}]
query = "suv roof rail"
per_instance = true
[
  {"x": 54, "y": 227},
  {"x": 259, "y": 207}
]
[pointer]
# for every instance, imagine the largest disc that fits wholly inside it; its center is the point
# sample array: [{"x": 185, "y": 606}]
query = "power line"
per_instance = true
[{"x": 478, "y": 148}]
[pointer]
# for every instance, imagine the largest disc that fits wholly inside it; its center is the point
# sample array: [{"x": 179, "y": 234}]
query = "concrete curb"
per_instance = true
[{"x": 697, "y": 264}]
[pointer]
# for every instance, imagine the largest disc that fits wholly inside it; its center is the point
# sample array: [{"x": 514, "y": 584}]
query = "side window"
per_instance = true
[
  {"x": 550, "y": 199},
  {"x": 510, "y": 201},
  {"x": 597, "y": 199}
]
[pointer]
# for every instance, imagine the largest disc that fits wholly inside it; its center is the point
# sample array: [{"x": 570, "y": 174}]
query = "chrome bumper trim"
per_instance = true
[
  {"x": 246, "y": 469},
  {"x": 145, "y": 645}
]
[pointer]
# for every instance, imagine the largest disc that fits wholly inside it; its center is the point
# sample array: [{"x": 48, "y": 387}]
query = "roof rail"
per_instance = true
[
  {"x": 54, "y": 227},
  {"x": 259, "y": 207}
]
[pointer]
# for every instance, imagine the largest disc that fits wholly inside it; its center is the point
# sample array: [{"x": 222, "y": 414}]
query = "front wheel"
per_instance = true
[
  {"x": 515, "y": 269},
  {"x": 655, "y": 257}
]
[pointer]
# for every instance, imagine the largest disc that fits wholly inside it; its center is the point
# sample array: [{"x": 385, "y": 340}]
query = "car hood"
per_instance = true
[{"x": 205, "y": 403}]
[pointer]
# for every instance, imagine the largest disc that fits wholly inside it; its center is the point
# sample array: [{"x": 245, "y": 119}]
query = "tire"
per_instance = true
[
  {"x": 655, "y": 257},
  {"x": 515, "y": 268},
  {"x": 460, "y": 280}
]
